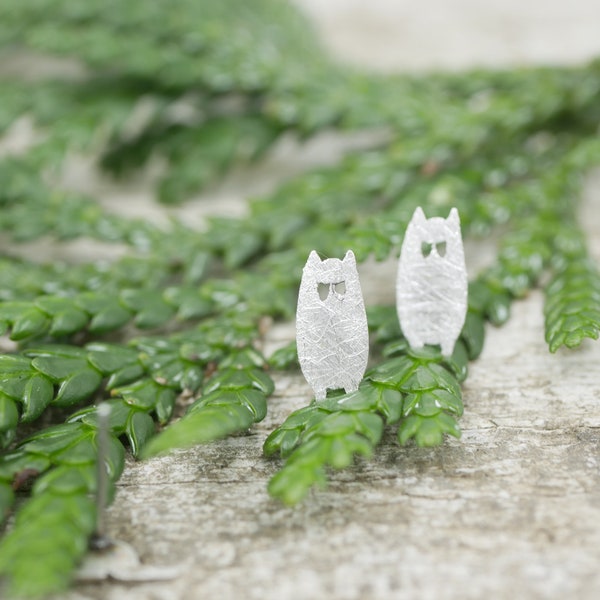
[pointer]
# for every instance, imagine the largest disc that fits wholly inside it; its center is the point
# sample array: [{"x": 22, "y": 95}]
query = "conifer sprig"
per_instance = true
[{"x": 51, "y": 529}]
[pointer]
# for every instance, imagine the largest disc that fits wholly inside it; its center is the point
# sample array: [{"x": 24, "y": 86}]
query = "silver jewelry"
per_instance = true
[
  {"x": 431, "y": 289},
  {"x": 331, "y": 325}
]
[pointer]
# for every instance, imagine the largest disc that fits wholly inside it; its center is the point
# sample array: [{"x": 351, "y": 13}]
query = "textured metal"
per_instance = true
[
  {"x": 431, "y": 289},
  {"x": 331, "y": 325}
]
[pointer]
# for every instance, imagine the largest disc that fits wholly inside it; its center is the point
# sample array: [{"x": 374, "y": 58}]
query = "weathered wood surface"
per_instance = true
[{"x": 512, "y": 510}]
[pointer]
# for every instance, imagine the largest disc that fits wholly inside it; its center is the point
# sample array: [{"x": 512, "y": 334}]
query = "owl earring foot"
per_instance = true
[
  {"x": 415, "y": 343},
  {"x": 351, "y": 388},
  {"x": 447, "y": 347},
  {"x": 320, "y": 394}
]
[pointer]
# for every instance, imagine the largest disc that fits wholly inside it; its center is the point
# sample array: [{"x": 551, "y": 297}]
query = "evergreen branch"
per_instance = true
[
  {"x": 330, "y": 439},
  {"x": 198, "y": 155},
  {"x": 66, "y": 453},
  {"x": 484, "y": 108},
  {"x": 146, "y": 376},
  {"x": 572, "y": 304},
  {"x": 30, "y": 210},
  {"x": 60, "y": 317},
  {"x": 99, "y": 313},
  {"x": 49, "y": 539},
  {"x": 221, "y": 47},
  {"x": 51, "y": 529},
  {"x": 462, "y": 113},
  {"x": 231, "y": 401},
  {"x": 420, "y": 390}
]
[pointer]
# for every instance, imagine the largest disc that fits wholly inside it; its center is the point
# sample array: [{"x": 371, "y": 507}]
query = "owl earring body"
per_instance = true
[
  {"x": 331, "y": 325},
  {"x": 431, "y": 288}
]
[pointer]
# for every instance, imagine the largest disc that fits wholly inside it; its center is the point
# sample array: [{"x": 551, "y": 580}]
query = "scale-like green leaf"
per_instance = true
[
  {"x": 210, "y": 423},
  {"x": 58, "y": 368},
  {"x": 110, "y": 358},
  {"x": 110, "y": 318},
  {"x": 78, "y": 386},
  {"x": 140, "y": 428},
  {"x": 30, "y": 323},
  {"x": 38, "y": 393}
]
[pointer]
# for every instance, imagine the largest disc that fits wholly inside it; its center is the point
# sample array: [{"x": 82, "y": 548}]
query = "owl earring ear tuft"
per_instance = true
[
  {"x": 331, "y": 325},
  {"x": 453, "y": 219},
  {"x": 418, "y": 217},
  {"x": 431, "y": 294},
  {"x": 349, "y": 258},
  {"x": 313, "y": 258}
]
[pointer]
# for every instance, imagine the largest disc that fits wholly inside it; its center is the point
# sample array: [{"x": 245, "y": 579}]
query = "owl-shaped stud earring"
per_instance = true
[
  {"x": 431, "y": 289},
  {"x": 331, "y": 325}
]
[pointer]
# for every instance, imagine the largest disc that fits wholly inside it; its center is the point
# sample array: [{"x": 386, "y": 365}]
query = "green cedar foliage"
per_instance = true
[{"x": 178, "y": 317}]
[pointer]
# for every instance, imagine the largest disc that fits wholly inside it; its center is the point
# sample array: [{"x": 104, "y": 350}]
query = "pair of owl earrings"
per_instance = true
[{"x": 431, "y": 297}]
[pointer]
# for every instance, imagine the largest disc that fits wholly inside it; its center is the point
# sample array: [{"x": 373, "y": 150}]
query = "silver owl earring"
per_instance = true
[
  {"x": 431, "y": 289},
  {"x": 331, "y": 325}
]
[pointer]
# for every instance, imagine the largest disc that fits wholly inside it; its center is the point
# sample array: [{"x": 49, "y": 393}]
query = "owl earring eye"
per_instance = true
[
  {"x": 426, "y": 248},
  {"x": 441, "y": 248},
  {"x": 323, "y": 289},
  {"x": 340, "y": 288}
]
